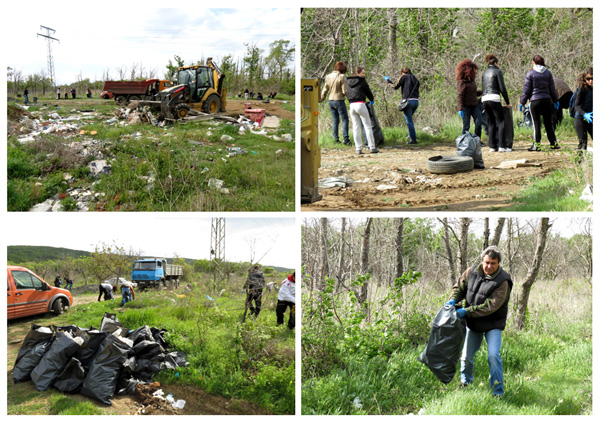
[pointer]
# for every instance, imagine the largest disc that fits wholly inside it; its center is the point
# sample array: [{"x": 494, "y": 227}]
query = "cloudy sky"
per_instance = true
[
  {"x": 271, "y": 241},
  {"x": 108, "y": 35}
]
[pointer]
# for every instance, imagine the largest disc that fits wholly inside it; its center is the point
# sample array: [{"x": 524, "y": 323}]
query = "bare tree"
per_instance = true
[
  {"x": 449, "y": 254},
  {"x": 399, "y": 235},
  {"x": 340, "y": 266},
  {"x": 463, "y": 244},
  {"x": 324, "y": 254},
  {"x": 498, "y": 231},
  {"x": 541, "y": 235}
]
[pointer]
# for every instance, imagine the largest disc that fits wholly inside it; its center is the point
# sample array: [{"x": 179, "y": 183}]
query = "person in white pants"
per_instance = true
[{"x": 357, "y": 94}]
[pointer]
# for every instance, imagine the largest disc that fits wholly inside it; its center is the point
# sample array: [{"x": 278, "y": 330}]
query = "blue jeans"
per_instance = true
[
  {"x": 338, "y": 110},
  {"x": 467, "y": 362},
  {"x": 475, "y": 112},
  {"x": 126, "y": 295},
  {"x": 413, "y": 104}
]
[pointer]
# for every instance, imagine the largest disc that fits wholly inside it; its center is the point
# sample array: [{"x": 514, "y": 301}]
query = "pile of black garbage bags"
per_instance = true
[{"x": 95, "y": 363}]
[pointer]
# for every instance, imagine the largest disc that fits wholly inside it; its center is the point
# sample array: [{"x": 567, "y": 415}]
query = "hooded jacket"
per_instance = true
[
  {"x": 255, "y": 280},
  {"x": 358, "y": 90},
  {"x": 287, "y": 292},
  {"x": 539, "y": 84},
  {"x": 492, "y": 83}
]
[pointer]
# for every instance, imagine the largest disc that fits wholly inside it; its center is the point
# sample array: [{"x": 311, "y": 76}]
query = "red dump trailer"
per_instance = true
[{"x": 133, "y": 91}]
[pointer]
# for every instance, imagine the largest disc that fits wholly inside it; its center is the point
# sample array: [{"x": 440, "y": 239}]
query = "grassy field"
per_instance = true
[
  {"x": 152, "y": 168},
  {"x": 253, "y": 361},
  {"x": 374, "y": 369}
]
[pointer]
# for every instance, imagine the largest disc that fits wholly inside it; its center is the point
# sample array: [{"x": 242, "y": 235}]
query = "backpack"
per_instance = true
[{"x": 572, "y": 103}]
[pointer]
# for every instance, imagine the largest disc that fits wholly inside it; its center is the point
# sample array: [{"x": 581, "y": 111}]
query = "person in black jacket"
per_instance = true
[
  {"x": 584, "y": 110},
  {"x": 493, "y": 87},
  {"x": 254, "y": 289},
  {"x": 410, "y": 90},
  {"x": 358, "y": 92},
  {"x": 486, "y": 288}
]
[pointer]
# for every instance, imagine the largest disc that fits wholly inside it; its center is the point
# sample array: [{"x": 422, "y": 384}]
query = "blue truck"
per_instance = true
[{"x": 155, "y": 272}]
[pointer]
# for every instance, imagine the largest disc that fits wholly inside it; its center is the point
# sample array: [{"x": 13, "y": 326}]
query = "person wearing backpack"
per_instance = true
[
  {"x": 541, "y": 93},
  {"x": 583, "y": 107}
]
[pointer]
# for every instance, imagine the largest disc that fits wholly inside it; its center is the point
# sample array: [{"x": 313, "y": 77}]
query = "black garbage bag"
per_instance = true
[
  {"x": 34, "y": 346},
  {"x": 55, "y": 360},
  {"x": 377, "y": 132},
  {"x": 470, "y": 145},
  {"x": 103, "y": 376},
  {"x": 176, "y": 359},
  {"x": 91, "y": 343},
  {"x": 509, "y": 129},
  {"x": 445, "y": 344},
  {"x": 110, "y": 324},
  {"x": 143, "y": 333},
  {"x": 157, "y": 334},
  {"x": 72, "y": 377},
  {"x": 126, "y": 386},
  {"x": 147, "y": 349}
]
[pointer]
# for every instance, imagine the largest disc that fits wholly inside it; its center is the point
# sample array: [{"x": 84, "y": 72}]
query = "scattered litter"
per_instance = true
[
  {"x": 587, "y": 194},
  {"x": 357, "y": 403},
  {"x": 271, "y": 122},
  {"x": 329, "y": 182},
  {"x": 384, "y": 187},
  {"x": 227, "y": 138}
]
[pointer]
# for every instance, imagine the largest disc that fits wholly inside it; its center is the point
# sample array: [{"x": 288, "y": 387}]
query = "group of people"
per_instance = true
[
  {"x": 259, "y": 96},
  {"x": 72, "y": 91},
  {"x": 538, "y": 90},
  {"x": 108, "y": 290},
  {"x": 286, "y": 298},
  {"x": 58, "y": 282}
]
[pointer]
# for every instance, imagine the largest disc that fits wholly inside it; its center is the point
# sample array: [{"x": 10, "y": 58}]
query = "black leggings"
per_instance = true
[
  {"x": 495, "y": 117},
  {"x": 542, "y": 108},
  {"x": 280, "y": 311},
  {"x": 582, "y": 128}
]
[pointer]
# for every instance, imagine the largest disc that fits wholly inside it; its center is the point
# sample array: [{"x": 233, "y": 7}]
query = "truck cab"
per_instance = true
[
  {"x": 28, "y": 294},
  {"x": 148, "y": 272}
]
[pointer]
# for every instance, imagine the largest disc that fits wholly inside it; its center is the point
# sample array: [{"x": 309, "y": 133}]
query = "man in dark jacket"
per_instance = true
[
  {"x": 485, "y": 287},
  {"x": 254, "y": 289}
]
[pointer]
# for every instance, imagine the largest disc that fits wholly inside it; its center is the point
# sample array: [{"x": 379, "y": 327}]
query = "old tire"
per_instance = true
[
  {"x": 120, "y": 99},
  {"x": 181, "y": 111},
  {"x": 212, "y": 104},
  {"x": 58, "y": 307},
  {"x": 449, "y": 164}
]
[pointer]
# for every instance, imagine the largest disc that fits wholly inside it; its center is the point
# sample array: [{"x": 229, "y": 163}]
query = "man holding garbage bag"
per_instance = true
[{"x": 485, "y": 287}]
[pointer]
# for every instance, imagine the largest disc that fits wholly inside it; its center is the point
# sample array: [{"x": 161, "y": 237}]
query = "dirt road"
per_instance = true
[
  {"x": 198, "y": 402},
  {"x": 397, "y": 179}
]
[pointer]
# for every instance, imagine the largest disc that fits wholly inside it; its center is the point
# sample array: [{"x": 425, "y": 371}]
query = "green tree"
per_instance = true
[
  {"x": 280, "y": 56},
  {"x": 171, "y": 72},
  {"x": 252, "y": 62}
]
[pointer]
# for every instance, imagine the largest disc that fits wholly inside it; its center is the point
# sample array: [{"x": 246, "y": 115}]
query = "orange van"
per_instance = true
[{"x": 28, "y": 294}]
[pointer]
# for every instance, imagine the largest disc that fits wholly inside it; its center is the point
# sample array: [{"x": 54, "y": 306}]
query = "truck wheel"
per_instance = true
[
  {"x": 181, "y": 111},
  {"x": 449, "y": 164},
  {"x": 120, "y": 99},
  {"x": 212, "y": 104},
  {"x": 58, "y": 307}
]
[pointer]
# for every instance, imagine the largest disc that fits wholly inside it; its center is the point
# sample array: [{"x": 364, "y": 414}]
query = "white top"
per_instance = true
[{"x": 287, "y": 292}]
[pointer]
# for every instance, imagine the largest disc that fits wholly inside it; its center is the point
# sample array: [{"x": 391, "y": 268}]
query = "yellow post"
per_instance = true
[{"x": 310, "y": 156}]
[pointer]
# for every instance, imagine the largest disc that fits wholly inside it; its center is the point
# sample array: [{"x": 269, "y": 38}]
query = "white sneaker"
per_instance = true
[
  {"x": 493, "y": 150},
  {"x": 501, "y": 150},
  {"x": 508, "y": 150}
]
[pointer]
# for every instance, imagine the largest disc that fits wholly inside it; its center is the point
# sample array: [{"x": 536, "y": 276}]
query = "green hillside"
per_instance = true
[{"x": 22, "y": 254}]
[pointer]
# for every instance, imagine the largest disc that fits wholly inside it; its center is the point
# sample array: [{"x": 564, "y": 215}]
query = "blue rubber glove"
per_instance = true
[
  {"x": 387, "y": 78},
  {"x": 589, "y": 117},
  {"x": 557, "y": 105},
  {"x": 372, "y": 103},
  {"x": 461, "y": 313},
  {"x": 450, "y": 303},
  {"x": 461, "y": 113},
  {"x": 522, "y": 108}
]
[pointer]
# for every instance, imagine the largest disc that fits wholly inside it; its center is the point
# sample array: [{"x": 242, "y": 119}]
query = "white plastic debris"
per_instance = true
[
  {"x": 216, "y": 183},
  {"x": 357, "y": 403},
  {"x": 226, "y": 138},
  {"x": 587, "y": 194},
  {"x": 179, "y": 404},
  {"x": 159, "y": 394}
]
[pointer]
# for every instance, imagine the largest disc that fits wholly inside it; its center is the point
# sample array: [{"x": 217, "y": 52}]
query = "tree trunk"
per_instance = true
[
  {"x": 340, "y": 268},
  {"x": 324, "y": 255},
  {"x": 541, "y": 236},
  {"x": 399, "y": 234},
  {"x": 486, "y": 233},
  {"x": 364, "y": 266},
  {"x": 393, "y": 49},
  {"x": 452, "y": 271},
  {"x": 498, "y": 232},
  {"x": 463, "y": 243}
]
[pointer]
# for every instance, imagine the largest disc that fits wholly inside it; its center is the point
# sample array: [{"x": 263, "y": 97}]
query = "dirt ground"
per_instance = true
[
  {"x": 236, "y": 107},
  {"x": 397, "y": 179},
  {"x": 198, "y": 402}
]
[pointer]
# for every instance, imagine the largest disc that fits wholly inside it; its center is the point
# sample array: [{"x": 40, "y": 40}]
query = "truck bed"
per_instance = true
[{"x": 139, "y": 87}]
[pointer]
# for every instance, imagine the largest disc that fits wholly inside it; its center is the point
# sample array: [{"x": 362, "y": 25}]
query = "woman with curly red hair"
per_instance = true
[{"x": 468, "y": 104}]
